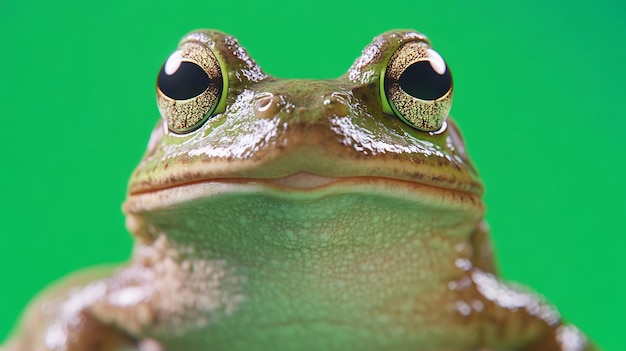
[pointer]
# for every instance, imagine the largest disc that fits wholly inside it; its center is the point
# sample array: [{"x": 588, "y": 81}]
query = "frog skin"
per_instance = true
[{"x": 274, "y": 214}]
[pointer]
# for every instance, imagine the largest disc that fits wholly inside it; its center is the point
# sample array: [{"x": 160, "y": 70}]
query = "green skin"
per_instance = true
[{"x": 307, "y": 219}]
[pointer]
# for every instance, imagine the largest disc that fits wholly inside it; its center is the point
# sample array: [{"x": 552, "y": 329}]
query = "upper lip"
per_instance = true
[{"x": 301, "y": 181}]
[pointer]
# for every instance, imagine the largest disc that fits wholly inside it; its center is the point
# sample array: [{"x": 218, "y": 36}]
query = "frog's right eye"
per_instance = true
[{"x": 190, "y": 88}]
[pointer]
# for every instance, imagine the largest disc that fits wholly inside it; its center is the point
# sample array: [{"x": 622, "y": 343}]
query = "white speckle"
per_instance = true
[
  {"x": 127, "y": 297},
  {"x": 436, "y": 62},
  {"x": 201, "y": 37},
  {"x": 463, "y": 263},
  {"x": 464, "y": 282},
  {"x": 150, "y": 345},
  {"x": 498, "y": 292},
  {"x": 478, "y": 305},
  {"x": 511, "y": 298},
  {"x": 55, "y": 337},
  {"x": 82, "y": 298},
  {"x": 415, "y": 35},
  {"x": 570, "y": 338},
  {"x": 173, "y": 63},
  {"x": 463, "y": 308}
]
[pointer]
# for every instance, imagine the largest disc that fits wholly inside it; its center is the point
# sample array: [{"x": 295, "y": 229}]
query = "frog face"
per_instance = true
[
  {"x": 224, "y": 118},
  {"x": 385, "y": 121}
]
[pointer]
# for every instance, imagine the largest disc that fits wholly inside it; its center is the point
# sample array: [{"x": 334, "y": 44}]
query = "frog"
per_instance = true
[{"x": 297, "y": 214}]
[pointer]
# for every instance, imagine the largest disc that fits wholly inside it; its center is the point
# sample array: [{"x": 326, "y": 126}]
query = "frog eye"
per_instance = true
[
  {"x": 190, "y": 88},
  {"x": 417, "y": 86}
]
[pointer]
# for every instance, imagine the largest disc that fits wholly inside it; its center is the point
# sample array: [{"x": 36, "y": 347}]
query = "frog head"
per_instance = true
[
  {"x": 238, "y": 151},
  {"x": 224, "y": 118}
]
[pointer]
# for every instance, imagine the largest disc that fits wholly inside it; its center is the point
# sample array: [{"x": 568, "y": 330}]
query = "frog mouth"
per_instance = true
[
  {"x": 303, "y": 186},
  {"x": 302, "y": 180}
]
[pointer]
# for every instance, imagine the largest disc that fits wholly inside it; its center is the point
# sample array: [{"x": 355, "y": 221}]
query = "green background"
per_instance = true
[{"x": 538, "y": 94}]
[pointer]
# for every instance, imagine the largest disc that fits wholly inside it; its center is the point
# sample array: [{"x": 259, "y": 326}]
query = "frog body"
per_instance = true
[{"x": 274, "y": 214}]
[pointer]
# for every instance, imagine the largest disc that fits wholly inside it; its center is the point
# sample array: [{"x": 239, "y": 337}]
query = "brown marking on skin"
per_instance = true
[
  {"x": 184, "y": 160},
  {"x": 482, "y": 255},
  {"x": 92, "y": 335},
  {"x": 548, "y": 342}
]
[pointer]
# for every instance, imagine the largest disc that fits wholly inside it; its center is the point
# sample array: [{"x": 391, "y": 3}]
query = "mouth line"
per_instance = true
[{"x": 306, "y": 182}]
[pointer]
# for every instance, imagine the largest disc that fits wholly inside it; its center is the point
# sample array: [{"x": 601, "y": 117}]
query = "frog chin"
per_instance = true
[{"x": 335, "y": 244}]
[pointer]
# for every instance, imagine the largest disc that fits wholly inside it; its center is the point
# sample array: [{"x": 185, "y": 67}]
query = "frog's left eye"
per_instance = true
[
  {"x": 416, "y": 86},
  {"x": 190, "y": 88}
]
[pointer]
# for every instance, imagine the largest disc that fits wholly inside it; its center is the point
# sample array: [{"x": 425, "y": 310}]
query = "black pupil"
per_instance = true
[
  {"x": 421, "y": 81},
  {"x": 189, "y": 81}
]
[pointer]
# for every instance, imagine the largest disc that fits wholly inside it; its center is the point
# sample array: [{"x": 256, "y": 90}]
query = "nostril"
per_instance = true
[
  {"x": 267, "y": 105},
  {"x": 336, "y": 105}
]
